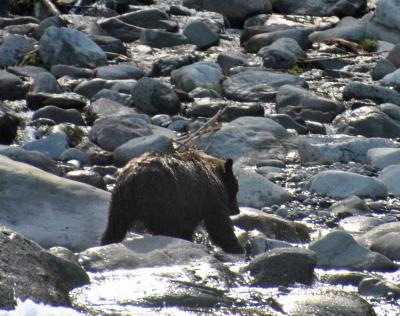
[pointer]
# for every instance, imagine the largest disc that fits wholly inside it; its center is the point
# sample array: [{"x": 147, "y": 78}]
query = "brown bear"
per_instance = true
[{"x": 171, "y": 194}]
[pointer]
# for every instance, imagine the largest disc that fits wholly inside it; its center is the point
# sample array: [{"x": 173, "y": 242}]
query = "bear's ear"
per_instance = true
[{"x": 228, "y": 165}]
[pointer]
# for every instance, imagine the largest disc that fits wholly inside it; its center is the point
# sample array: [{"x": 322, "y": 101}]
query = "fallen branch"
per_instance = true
[
  {"x": 51, "y": 7},
  {"x": 344, "y": 56}
]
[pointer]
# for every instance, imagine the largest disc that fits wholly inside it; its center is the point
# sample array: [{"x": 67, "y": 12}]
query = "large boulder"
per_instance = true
[
  {"x": 48, "y": 209},
  {"x": 385, "y": 24},
  {"x": 70, "y": 47}
]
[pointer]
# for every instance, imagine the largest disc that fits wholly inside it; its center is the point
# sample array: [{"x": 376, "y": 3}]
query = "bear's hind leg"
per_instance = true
[{"x": 220, "y": 229}]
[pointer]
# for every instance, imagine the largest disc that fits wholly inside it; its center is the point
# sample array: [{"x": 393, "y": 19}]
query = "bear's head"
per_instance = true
[{"x": 231, "y": 185}]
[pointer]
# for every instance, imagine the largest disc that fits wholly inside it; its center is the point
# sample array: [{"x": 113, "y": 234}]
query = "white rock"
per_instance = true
[
  {"x": 342, "y": 184},
  {"x": 383, "y": 157}
]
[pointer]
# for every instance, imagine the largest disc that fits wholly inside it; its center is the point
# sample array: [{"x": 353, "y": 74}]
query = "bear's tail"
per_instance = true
[{"x": 118, "y": 224}]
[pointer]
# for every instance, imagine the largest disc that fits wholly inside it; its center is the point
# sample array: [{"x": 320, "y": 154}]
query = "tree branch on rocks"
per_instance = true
[
  {"x": 51, "y": 7},
  {"x": 313, "y": 60}
]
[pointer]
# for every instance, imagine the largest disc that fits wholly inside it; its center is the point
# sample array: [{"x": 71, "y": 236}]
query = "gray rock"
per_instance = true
[
  {"x": 59, "y": 115},
  {"x": 372, "y": 235},
  {"x": 149, "y": 19},
  {"x": 256, "y": 243},
  {"x": 342, "y": 184},
  {"x": 378, "y": 288},
  {"x": 258, "y": 41},
  {"x": 390, "y": 177},
  {"x": 245, "y": 137},
  {"x": 45, "y": 82},
  {"x": 270, "y": 225},
  {"x": 161, "y": 39},
  {"x": 257, "y": 191},
  {"x": 65, "y": 100},
  {"x": 43, "y": 277},
  {"x": 283, "y": 266},
  {"x": 383, "y": 157},
  {"x": 236, "y": 11},
  {"x": 51, "y": 214},
  {"x": 109, "y": 44},
  {"x": 338, "y": 250},
  {"x": 393, "y": 56},
  {"x": 30, "y": 157},
  {"x": 137, "y": 146},
  {"x": 121, "y": 30},
  {"x": 368, "y": 121},
  {"x": 13, "y": 48},
  {"x": 359, "y": 224},
  {"x": 289, "y": 123},
  {"x": 8, "y": 127},
  {"x": 89, "y": 88},
  {"x": 326, "y": 303},
  {"x": 47, "y": 22},
  {"x": 89, "y": 177},
  {"x": 257, "y": 85},
  {"x": 199, "y": 74},
  {"x": 120, "y": 71},
  {"x": 52, "y": 145},
  {"x": 385, "y": 24},
  {"x": 200, "y": 34},
  {"x": 352, "y": 205},
  {"x": 102, "y": 108},
  {"x": 76, "y": 154},
  {"x": 154, "y": 97},
  {"x": 165, "y": 65},
  {"x": 281, "y": 54},
  {"x": 343, "y": 148},
  {"x": 382, "y": 68},
  {"x": 150, "y": 251},
  {"x": 343, "y": 277},
  {"x": 375, "y": 93},
  {"x": 96, "y": 154},
  {"x": 59, "y": 71},
  {"x": 70, "y": 47},
  {"x": 320, "y": 8},
  {"x": 388, "y": 245},
  {"x": 26, "y": 71},
  {"x": 12, "y": 87},
  {"x": 303, "y": 105},
  {"x": 122, "y": 98},
  {"x": 228, "y": 60},
  {"x": 391, "y": 79}
]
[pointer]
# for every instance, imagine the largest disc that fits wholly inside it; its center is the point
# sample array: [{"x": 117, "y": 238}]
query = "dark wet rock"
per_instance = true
[
  {"x": 164, "y": 66},
  {"x": 256, "y": 243},
  {"x": 53, "y": 198},
  {"x": 283, "y": 266},
  {"x": 31, "y": 157},
  {"x": 390, "y": 177},
  {"x": 76, "y": 154},
  {"x": 150, "y": 251},
  {"x": 154, "y": 97},
  {"x": 66, "y": 100},
  {"x": 120, "y": 71},
  {"x": 375, "y": 93},
  {"x": 102, "y": 108},
  {"x": 359, "y": 224},
  {"x": 385, "y": 23},
  {"x": 13, "y": 48},
  {"x": 236, "y": 11},
  {"x": 87, "y": 176},
  {"x": 368, "y": 121},
  {"x": 302, "y": 104},
  {"x": 383, "y": 157},
  {"x": 209, "y": 107},
  {"x": 52, "y": 145},
  {"x": 200, "y": 34},
  {"x": 343, "y": 277},
  {"x": 342, "y": 184},
  {"x": 289, "y": 123},
  {"x": 338, "y": 249},
  {"x": 109, "y": 44},
  {"x": 348, "y": 28},
  {"x": 281, "y": 54},
  {"x": 257, "y": 85},
  {"x": 270, "y": 225},
  {"x": 245, "y": 137},
  {"x": 121, "y": 30},
  {"x": 59, "y": 71},
  {"x": 45, "y": 82},
  {"x": 327, "y": 303},
  {"x": 97, "y": 155},
  {"x": 70, "y": 47},
  {"x": 343, "y": 148},
  {"x": 320, "y": 8},
  {"x": 139, "y": 145},
  {"x": 8, "y": 127},
  {"x": 228, "y": 60},
  {"x": 5, "y": 7},
  {"x": 59, "y": 115},
  {"x": 55, "y": 21},
  {"x": 201, "y": 93},
  {"x": 42, "y": 277},
  {"x": 378, "y": 288},
  {"x": 89, "y": 88},
  {"x": 199, "y": 74},
  {"x": 122, "y": 86},
  {"x": 352, "y": 205},
  {"x": 258, "y": 41},
  {"x": 17, "y": 20},
  {"x": 378, "y": 232},
  {"x": 122, "y": 98},
  {"x": 257, "y": 191},
  {"x": 12, "y": 87},
  {"x": 111, "y": 132},
  {"x": 149, "y": 19},
  {"x": 388, "y": 245},
  {"x": 382, "y": 68},
  {"x": 26, "y": 71},
  {"x": 161, "y": 39}
]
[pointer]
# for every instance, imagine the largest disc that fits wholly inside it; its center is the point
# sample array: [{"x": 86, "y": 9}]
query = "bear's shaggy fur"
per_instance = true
[{"x": 171, "y": 194}]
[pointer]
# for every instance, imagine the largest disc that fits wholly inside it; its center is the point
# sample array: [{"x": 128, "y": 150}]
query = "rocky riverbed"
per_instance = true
[{"x": 302, "y": 95}]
